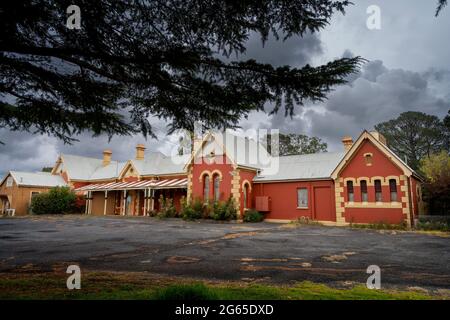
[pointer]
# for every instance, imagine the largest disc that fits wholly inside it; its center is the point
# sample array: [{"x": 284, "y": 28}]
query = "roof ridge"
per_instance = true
[{"x": 311, "y": 154}]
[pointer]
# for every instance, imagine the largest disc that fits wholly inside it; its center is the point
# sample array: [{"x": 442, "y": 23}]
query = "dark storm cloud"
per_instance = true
[
  {"x": 28, "y": 152},
  {"x": 378, "y": 94},
  {"x": 295, "y": 51},
  {"x": 25, "y": 151}
]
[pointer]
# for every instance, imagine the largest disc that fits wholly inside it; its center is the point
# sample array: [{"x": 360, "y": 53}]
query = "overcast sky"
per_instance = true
[{"x": 408, "y": 69}]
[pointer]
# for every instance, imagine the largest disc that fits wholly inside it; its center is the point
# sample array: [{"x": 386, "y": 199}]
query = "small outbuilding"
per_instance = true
[{"x": 18, "y": 188}]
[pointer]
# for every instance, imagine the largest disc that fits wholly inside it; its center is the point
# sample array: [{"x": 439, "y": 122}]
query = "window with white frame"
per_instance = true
[
  {"x": 364, "y": 197},
  {"x": 350, "y": 192},
  {"x": 206, "y": 188},
  {"x": 33, "y": 194},
  {"x": 302, "y": 198},
  {"x": 9, "y": 182},
  {"x": 393, "y": 189},
  {"x": 378, "y": 191},
  {"x": 216, "y": 181}
]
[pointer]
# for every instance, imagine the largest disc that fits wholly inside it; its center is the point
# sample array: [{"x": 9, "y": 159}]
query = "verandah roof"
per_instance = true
[{"x": 154, "y": 184}]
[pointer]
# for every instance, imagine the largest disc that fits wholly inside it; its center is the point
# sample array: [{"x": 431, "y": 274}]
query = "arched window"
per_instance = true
[
  {"x": 216, "y": 181},
  {"x": 378, "y": 194},
  {"x": 350, "y": 193},
  {"x": 364, "y": 197},
  {"x": 206, "y": 188},
  {"x": 246, "y": 195},
  {"x": 393, "y": 189}
]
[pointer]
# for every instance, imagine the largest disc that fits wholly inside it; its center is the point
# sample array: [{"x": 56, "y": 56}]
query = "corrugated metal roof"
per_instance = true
[
  {"x": 243, "y": 150},
  {"x": 85, "y": 168},
  {"x": 159, "y": 164},
  {"x": 308, "y": 166},
  {"x": 155, "y": 184},
  {"x": 37, "y": 179}
]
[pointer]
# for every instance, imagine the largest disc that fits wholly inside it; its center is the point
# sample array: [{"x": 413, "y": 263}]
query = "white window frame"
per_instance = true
[
  {"x": 31, "y": 194},
  {"x": 9, "y": 182},
  {"x": 302, "y": 206}
]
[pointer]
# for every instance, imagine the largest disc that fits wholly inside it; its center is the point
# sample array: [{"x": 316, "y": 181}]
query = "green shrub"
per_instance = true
[
  {"x": 191, "y": 292},
  {"x": 429, "y": 224},
  {"x": 80, "y": 204},
  {"x": 224, "y": 210},
  {"x": 166, "y": 208},
  {"x": 191, "y": 211},
  {"x": 380, "y": 226},
  {"x": 253, "y": 216},
  {"x": 153, "y": 213},
  {"x": 217, "y": 210},
  {"x": 57, "y": 200}
]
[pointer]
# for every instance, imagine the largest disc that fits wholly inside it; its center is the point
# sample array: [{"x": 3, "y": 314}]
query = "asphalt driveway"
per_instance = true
[{"x": 225, "y": 251}]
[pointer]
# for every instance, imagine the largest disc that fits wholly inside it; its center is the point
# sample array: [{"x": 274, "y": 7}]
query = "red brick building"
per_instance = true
[{"x": 365, "y": 183}]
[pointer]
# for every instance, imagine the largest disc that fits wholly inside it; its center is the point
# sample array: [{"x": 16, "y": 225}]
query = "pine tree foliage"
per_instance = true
[{"x": 176, "y": 60}]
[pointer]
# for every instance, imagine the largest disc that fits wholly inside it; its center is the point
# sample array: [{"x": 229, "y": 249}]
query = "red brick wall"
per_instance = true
[
  {"x": 247, "y": 175},
  {"x": 283, "y": 197},
  {"x": 383, "y": 167},
  {"x": 220, "y": 165},
  {"x": 374, "y": 215}
]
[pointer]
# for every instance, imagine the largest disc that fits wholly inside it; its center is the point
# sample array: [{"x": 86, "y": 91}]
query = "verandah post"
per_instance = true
[{"x": 105, "y": 204}]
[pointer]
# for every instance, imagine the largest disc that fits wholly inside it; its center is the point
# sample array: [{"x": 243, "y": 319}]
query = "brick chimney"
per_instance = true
[
  {"x": 106, "y": 157},
  {"x": 348, "y": 142},
  {"x": 379, "y": 137},
  {"x": 140, "y": 150}
]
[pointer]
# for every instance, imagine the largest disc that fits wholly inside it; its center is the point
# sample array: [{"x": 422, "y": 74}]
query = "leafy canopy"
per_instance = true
[
  {"x": 436, "y": 170},
  {"x": 168, "y": 59},
  {"x": 414, "y": 135},
  {"x": 294, "y": 144}
]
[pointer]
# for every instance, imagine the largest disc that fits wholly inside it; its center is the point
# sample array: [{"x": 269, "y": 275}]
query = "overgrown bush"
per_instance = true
[
  {"x": 57, "y": 200},
  {"x": 217, "y": 210},
  {"x": 225, "y": 211},
  {"x": 380, "y": 226},
  {"x": 439, "y": 223},
  {"x": 166, "y": 208},
  {"x": 153, "y": 213},
  {"x": 191, "y": 211},
  {"x": 253, "y": 215},
  {"x": 80, "y": 204}
]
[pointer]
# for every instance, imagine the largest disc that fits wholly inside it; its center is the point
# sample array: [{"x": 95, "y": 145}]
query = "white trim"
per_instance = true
[
  {"x": 365, "y": 135},
  {"x": 31, "y": 194}
]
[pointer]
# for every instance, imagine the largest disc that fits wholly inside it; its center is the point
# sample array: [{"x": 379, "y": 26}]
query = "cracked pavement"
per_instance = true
[{"x": 225, "y": 251}]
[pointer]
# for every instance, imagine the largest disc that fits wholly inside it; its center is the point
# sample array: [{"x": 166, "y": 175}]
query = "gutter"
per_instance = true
[{"x": 293, "y": 180}]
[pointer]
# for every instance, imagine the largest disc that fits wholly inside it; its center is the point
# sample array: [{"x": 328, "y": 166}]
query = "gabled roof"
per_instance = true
[
  {"x": 156, "y": 163},
  {"x": 365, "y": 135},
  {"x": 303, "y": 167},
  {"x": 86, "y": 168},
  {"x": 36, "y": 179},
  {"x": 160, "y": 164}
]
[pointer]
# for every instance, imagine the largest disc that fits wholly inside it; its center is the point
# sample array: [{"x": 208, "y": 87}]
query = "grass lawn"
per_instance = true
[{"x": 107, "y": 285}]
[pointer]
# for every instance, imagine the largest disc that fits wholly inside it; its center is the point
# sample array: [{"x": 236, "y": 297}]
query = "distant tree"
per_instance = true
[
  {"x": 169, "y": 59},
  {"x": 47, "y": 169},
  {"x": 413, "y": 135},
  {"x": 294, "y": 144},
  {"x": 446, "y": 123},
  {"x": 436, "y": 170}
]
